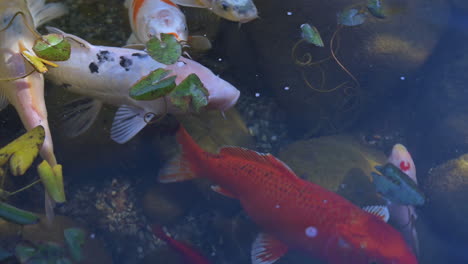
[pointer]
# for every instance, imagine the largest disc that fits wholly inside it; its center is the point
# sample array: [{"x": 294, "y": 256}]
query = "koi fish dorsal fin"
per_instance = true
[
  {"x": 378, "y": 210},
  {"x": 263, "y": 158},
  {"x": 266, "y": 249}
]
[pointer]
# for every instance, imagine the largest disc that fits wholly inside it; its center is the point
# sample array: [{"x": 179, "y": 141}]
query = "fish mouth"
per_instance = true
[{"x": 223, "y": 104}]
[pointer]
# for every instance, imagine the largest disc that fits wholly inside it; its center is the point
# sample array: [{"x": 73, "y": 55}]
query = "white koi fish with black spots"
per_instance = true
[{"x": 106, "y": 74}]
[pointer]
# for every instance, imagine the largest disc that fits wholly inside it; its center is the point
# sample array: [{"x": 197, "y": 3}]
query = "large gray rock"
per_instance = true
[{"x": 446, "y": 187}]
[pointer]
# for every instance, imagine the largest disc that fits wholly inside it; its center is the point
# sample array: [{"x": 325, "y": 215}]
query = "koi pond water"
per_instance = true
[{"x": 233, "y": 131}]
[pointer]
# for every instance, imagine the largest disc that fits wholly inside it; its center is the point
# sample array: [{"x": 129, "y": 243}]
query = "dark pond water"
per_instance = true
[{"x": 330, "y": 113}]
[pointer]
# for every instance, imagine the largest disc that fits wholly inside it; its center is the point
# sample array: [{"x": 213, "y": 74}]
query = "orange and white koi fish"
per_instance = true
[
  {"x": 293, "y": 212},
  {"x": 150, "y": 18},
  {"x": 106, "y": 74},
  {"x": 18, "y": 21},
  {"x": 25, "y": 94},
  {"x": 404, "y": 216},
  {"x": 234, "y": 10}
]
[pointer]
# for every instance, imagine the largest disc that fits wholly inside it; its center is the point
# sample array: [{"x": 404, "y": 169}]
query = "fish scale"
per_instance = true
[{"x": 293, "y": 212}]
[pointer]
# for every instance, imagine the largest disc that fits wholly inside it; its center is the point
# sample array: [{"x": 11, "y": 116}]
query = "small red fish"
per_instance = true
[
  {"x": 293, "y": 212},
  {"x": 189, "y": 255}
]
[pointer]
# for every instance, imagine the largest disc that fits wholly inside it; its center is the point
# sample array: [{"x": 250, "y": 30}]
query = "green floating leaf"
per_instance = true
[
  {"x": 375, "y": 7},
  {"x": 153, "y": 86},
  {"x": 167, "y": 50},
  {"x": 4, "y": 254},
  {"x": 13, "y": 214},
  {"x": 52, "y": 178},
  {"x": 53, "y": 47},
  {"x": 351, "y": 17},
  {"x": 311, "y": 35},
  {"x": 190, "y": 94},
  {"x": 75, "y": 239},
  {"x": 25, "y": 252},
  {"x": 23, "y": 150}
]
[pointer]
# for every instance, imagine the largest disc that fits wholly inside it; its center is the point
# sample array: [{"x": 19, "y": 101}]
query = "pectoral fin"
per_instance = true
[
  {"x": 79, "y": 115},
  {"x": 131, "y": 41},
  {"x": 266, "y": 249},
  {"x": 3, "y": 99},
  {"x": 128, "y": 121},
  {"x": 190, "y": 3},
  {"x": 378, "y": 210},
  {"x": 199, "y": 43}
]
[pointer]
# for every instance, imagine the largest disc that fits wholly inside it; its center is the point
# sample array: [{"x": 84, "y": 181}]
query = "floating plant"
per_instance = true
[
  {"x": 153, "y": 86},
  {"x": 166, "y": 50},
  {"x": 190, "y": 94}
]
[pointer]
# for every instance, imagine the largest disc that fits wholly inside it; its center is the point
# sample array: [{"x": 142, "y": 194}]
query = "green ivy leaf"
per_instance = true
[
  {"x": 153, "y": 86},
  {"x": 75, "y": 239},
  {"x": 166, "y": 50},
  {"x": 190, "y": 94},
  {"x": 13, "y": 214},
  {"x": 311, "y": 35},
  {"x": 25, "y": 252},
  {"x": 351, "y": 17},
  {"x": 53, "y": 47},
  {"x": 375, "y": 7}
]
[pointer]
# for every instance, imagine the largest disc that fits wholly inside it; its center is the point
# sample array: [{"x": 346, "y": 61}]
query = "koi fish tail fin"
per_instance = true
[
  {"x": 42, "y": 12},
  {"x": 180, "y": 168},
  {"x": 159, "y": 232}
]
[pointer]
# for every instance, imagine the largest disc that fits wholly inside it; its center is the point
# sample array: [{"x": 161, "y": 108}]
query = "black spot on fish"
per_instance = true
[
  {"x": 139, "y": 55},
  {"x": 125, "y": 63},
  {"x": 93, "y": 68},
  {"x": 104, "y": 56},
  {"x": 66, "y": 85}
]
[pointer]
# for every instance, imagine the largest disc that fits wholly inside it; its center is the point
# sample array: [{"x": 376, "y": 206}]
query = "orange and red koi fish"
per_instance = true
[
  {"x": 189, "y": 255},
  {"x": 293, "y": 213}
]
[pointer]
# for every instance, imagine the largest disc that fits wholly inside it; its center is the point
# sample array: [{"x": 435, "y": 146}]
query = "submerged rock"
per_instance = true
[
  {"x": 338, "y": 163},
  {"x": 377, "y": 53},
  {"x": 446, "y": 186}
]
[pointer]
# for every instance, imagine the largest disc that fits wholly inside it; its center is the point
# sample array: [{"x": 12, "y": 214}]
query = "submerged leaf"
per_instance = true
[
  {"x": 52, "y": 47},
  {"x": 52, "y": 178},
  {"x": 311, "y": 35},
  {"x": 23, "y": 150},
  {"x": 351, "y": 17},
  {"x": 190, "y": 94},
  {"x": 153, "y": 86},
  {"x": 375, "y": 7},
  {"x": 13, "y": 214},
  {"x": 25, "y": 252},
  {"x": 75, "y": 239},
  {"x": 4, "y": 254},
  {"x": 165, "y": 50}
]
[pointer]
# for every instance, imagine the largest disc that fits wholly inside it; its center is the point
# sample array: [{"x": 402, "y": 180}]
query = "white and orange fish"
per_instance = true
[
  {"x": 25, "y": 94},
  {"x": 106, "y": 74},
  {"x": 234, "y": 10},
  {"x": 150, "y": 18},
  {"x": 404, "y": 216}
]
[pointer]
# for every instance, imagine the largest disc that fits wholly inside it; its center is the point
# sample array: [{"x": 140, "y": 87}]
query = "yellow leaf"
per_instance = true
[
  {"x": 21, "y": 152},
  {"x": 52, "y": 179},
  {"x": 35, "y": 61}
]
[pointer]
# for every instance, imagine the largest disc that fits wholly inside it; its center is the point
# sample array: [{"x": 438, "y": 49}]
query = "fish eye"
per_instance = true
[{"x": 224, "y": 6}]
